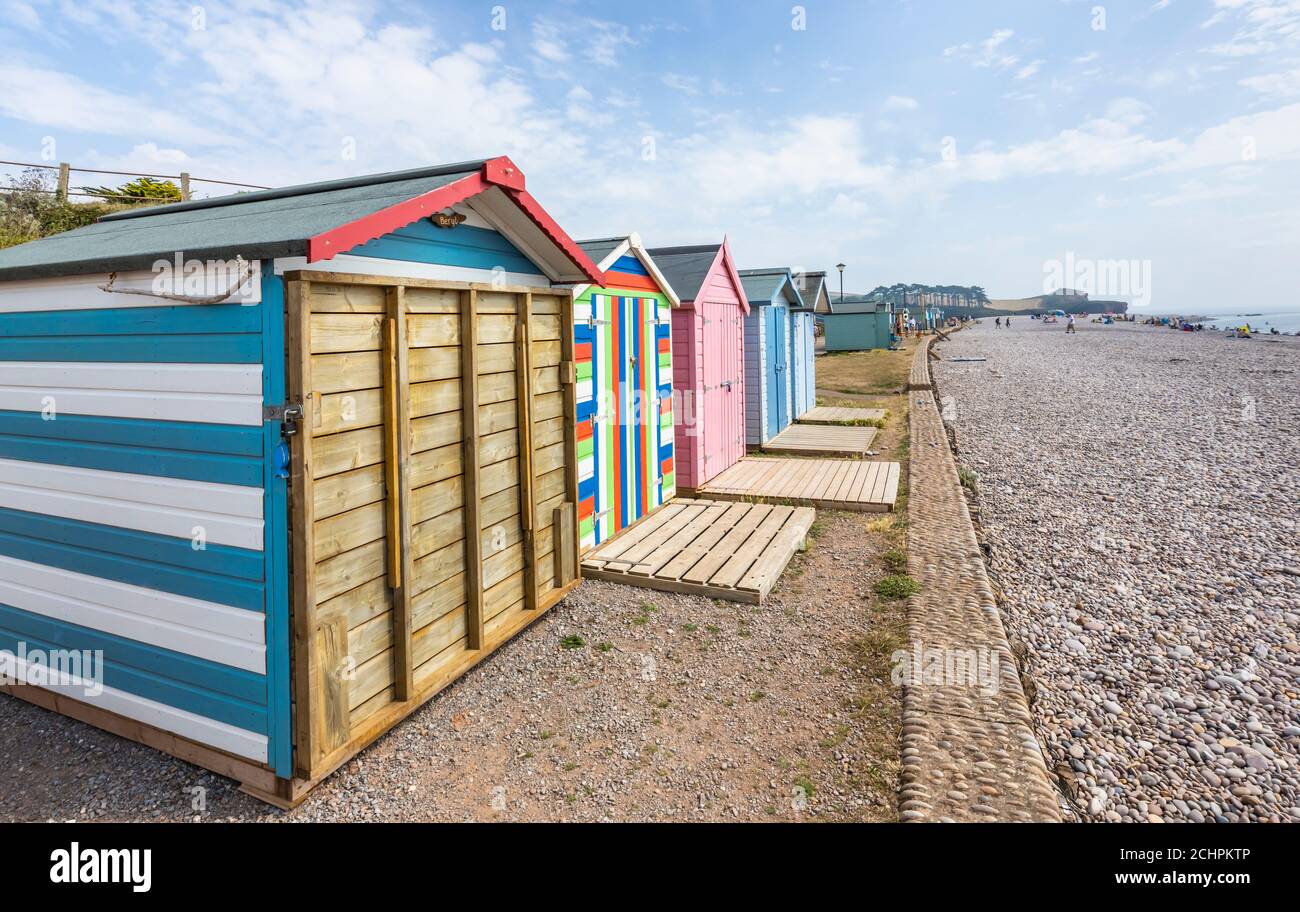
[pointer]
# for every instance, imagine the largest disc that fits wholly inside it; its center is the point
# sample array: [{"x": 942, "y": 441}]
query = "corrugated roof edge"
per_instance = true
[{"x": 345, "y": 183}]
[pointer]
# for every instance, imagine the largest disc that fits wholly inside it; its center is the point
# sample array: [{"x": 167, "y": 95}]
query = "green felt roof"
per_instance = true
[{"x": 265, "y": 224}]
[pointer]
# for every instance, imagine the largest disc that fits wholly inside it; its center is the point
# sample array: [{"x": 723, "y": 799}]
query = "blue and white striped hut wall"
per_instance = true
[{"x": 139, "y": 500}]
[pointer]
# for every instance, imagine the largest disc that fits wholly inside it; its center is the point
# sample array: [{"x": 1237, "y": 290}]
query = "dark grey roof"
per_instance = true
[
  {"x": 810, "y": 286},
  {"x": 856, "y": 304},
  {"x": 763, "y": 285},
  {"x": 686, "y": 268},
  {"x": 265, "y": 224},
  {"x": 599, "y": 248}
]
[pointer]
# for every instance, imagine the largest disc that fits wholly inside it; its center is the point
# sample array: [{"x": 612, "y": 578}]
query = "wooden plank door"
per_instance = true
[{"x": 433, "y": 491}]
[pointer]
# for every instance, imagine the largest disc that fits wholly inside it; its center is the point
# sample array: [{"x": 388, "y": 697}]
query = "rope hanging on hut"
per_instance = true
[{"x": 245, "y": 273}]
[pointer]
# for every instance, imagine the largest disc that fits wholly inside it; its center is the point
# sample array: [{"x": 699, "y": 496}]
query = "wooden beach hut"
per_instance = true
[
  {"x": 769, "y": 405},
  {"x": 708, "y": 352},
  {"x": 622, "y": 351},
  {"x": 856, "y": 323},
  {"x": 323, "y": 430},
  {"x": 811, "y": 287}
]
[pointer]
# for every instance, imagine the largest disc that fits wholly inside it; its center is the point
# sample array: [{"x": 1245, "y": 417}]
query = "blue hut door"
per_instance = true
[{"x": 778, "y": 371}]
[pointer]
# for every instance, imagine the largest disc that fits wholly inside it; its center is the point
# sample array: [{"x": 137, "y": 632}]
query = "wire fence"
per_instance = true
[{"x": 65, "y": 170}]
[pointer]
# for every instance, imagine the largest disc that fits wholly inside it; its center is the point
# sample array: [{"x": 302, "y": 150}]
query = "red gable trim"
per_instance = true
[
  {"x": 343, "y": 238},
  {"x": 534, "y": 211},
  {"x": 500, "y": 172}
]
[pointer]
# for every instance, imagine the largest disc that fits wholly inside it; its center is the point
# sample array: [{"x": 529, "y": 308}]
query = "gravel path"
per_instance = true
[
  {"x": 672, "y": 707},
  {"x": 1140, "y": 489}
]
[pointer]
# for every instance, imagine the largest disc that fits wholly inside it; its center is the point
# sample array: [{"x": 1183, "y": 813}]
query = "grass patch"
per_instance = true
[
  {"x": 895, "y": 560},
  {"x": 969, "y": 480},
  {"x": 866, "y": 372},
  {"x": 897, "y": 586},
  {"x": 572, "y": 641}
]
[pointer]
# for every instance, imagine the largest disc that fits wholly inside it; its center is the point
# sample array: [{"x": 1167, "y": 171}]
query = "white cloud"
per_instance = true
[
  {"x": 19, "y": 13},
  {"x": 1262, "y": 26},
  {"x": 58, "y": 100},
  {"x": 688, "y": 84},
  {"x": 1275, "y": 85},
  {"x": 1028, "y": 70},
  {"x": 986, "y": 53},
  {"x": 1088, "y": 57},
  {"x": 900, "y": 103}
]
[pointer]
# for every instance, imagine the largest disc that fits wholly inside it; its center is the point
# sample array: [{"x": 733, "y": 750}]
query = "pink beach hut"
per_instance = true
[{"x": 708, "y": 345}]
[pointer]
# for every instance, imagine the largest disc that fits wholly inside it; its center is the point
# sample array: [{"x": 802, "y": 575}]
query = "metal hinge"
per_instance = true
[{"x": 289, "y": 415}]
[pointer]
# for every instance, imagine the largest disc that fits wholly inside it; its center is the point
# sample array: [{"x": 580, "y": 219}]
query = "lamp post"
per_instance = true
[{"x": 841, "y": 267}]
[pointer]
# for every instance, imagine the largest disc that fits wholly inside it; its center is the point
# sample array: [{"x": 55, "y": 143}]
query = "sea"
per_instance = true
[{"x": 1283, "y": 322}]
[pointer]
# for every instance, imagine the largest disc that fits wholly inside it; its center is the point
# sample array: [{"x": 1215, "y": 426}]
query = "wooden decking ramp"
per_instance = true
[
  {"x": 830, "y": 484},
  {"x": 830, "y": 414},
  {"x": 734, "y": 551},
  {"x": 822, "y": 440}
]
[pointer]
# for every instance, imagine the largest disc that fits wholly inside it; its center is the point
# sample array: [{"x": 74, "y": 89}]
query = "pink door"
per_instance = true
[{"x": 721, "y": 415}]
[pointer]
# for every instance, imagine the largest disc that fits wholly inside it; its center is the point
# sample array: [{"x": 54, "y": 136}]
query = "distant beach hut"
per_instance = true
[
  {"x": 768, "y": 401},
  {"x": 856, "y": 323},
  {"x": 708, "y": 355},
  {"x": 803, "y": 341},
  {"x": 622, "y": 350}
]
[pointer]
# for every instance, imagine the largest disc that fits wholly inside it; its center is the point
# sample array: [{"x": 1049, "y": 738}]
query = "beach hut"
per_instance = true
[
  {"x": 856, "y": 323},
  {"x": 708, "y": 352},
  {"x": 622, "y": 350},
  {"x": 811, "y": 287},
  {"x": 324, "y": 430},
  {"x": 769, "y": 405}
]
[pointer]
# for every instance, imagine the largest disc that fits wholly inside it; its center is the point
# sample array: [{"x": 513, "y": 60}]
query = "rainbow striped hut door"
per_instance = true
[{"x": 624, "y": 402}]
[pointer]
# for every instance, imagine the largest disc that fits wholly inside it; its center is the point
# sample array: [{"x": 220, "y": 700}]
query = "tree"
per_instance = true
[{"x": 142, "y": 189}]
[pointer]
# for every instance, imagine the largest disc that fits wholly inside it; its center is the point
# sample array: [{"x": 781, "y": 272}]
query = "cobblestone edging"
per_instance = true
[{"x": 969, "y": 750}]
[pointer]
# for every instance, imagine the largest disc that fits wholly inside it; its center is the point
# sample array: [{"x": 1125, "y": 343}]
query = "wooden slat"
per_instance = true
[
  {"x": 847, "y": 484},
  {"x": 822, "y": 440},
  {"x": 682, "y": 539},
  {"x": 400, "y": 490},
  {"x": 470, "y": 433},
  {"x": 302, "y": 517},
  {"x": 730, "y": 573},
  {"x": 569, "y": 409},
  {"x": 722, "y": 550},
  {"x": 524, "y": 403},
  {"x": 826, "y": 414}
]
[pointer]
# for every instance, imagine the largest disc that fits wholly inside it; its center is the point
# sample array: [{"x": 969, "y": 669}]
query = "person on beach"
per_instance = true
[
  {"x": 1069, "y": 324},
  {"x": 999, "y": 322}
]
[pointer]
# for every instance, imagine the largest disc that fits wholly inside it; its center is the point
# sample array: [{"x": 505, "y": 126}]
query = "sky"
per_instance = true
[{"x": 1145, "y": 150}]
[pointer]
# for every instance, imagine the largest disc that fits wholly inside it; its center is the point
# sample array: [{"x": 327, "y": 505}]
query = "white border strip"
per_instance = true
[
  {"x": 207, "y": 393},
  {"x": 181, "y": 722},
  {"x": 222, "y": 513},
  {"x": 83, "y": 293},
  {"x": 205, "y": 630},
  {"x": 377, "y": 266}
]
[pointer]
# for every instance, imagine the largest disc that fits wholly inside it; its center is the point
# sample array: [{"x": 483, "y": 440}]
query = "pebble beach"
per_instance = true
[{"x": 1139, "y": 492}]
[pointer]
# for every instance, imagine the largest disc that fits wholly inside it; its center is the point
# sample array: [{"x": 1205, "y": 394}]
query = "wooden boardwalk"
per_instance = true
[
  {"x": 830, "y": 414},
  {"x": 734, "y": 551},
  {"x": 830, "y": 484},
  {"x": 822, "y": 440}
]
